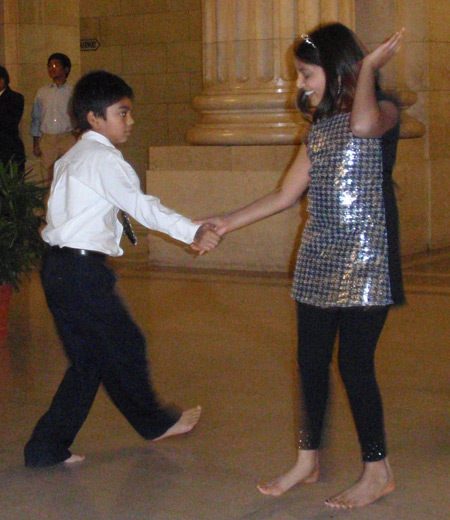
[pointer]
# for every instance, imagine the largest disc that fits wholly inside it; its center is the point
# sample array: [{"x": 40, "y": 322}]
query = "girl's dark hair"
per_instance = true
[
  {"x": 336, "y": 49},
  {"x": 95, "y": 92},
  {"x": 4, "y": 74}
]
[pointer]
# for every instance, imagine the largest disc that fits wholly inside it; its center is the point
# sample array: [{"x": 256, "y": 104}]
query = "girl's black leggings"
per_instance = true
[{"x": 359, "y": 329}]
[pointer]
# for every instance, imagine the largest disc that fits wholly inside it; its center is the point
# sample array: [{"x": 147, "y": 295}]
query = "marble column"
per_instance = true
[
  {"x": 375, "y": 22},
  {"x": 248, "y": 74}
]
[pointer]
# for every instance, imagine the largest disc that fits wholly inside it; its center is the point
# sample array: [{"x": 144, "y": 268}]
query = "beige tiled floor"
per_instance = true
[{"x": 228, "y": 343}]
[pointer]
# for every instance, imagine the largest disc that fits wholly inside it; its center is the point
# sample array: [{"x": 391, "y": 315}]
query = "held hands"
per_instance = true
[
  {"x": 384, "y": 52},
  {"x": 206, "y": 238},
  {"x": 219, "y": 224}
]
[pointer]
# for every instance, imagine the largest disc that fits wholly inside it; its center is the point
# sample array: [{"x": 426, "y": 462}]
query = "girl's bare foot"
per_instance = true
[
  {"x": 376, "y": 481},
  {"x": 73, "y": 459},
  {"x": 185, "y": 423},
  {"x": 305, "y": 470}
]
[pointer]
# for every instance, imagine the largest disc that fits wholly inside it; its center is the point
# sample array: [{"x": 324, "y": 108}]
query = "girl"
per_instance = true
[{"x": 348, "y": 270}]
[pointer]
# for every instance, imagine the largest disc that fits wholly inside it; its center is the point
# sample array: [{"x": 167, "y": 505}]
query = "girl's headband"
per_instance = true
[{"x": 307, "y": 39}]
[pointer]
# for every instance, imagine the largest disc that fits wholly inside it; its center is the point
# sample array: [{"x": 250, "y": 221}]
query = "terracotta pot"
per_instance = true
[{"x": 5, "y": 298}]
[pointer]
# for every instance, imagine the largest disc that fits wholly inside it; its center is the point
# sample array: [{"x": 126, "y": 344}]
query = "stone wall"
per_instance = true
[
  {"x": 156, "y": 47},
  {"x": 422, "y": 67},
  {"x": 31, "y": 30}
]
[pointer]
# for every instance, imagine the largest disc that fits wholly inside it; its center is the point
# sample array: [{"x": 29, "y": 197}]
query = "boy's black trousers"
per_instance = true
[{"x": 104, "y": 346}]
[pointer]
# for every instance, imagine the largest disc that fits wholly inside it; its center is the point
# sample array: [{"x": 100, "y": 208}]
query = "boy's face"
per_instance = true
[
  {"x": 116, "y": 125},
  {"x": 56, "y": 71}
]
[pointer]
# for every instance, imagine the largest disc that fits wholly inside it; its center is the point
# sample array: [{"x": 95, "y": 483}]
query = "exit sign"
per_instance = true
[{"x": 89, "y": 44}]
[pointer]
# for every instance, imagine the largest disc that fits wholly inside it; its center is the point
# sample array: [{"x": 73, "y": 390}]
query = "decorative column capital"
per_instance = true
[
  {"x": 248, "y": 73},
  {"x": 247, "y": 118}
]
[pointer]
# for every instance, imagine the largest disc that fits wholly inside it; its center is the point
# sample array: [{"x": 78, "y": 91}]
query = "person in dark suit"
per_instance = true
[{"x": 11, "y": 111}]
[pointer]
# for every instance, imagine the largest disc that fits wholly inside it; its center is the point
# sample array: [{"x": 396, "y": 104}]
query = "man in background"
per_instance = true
[{"x": 51, "y": 125}]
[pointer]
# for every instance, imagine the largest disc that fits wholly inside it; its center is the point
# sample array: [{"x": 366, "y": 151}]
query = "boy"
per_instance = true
[
  {"x": 51, "y": 126},
  {"x": 104, "y": 345}
]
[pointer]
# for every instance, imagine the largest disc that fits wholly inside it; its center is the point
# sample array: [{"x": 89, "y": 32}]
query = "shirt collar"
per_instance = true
[
  {"x": 91, "y": 135},
  {"x": 54, "y": 85}
]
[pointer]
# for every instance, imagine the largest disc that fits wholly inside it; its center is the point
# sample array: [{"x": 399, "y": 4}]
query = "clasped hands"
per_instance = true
[{"x": 208, "y": 236}]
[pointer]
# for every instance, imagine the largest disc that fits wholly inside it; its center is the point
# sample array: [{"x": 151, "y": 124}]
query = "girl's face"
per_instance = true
[{"x": 311, "y": 79}]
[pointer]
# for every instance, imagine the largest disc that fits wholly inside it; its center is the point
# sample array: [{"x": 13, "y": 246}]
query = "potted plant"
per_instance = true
[{"x": 22, "y": 203}]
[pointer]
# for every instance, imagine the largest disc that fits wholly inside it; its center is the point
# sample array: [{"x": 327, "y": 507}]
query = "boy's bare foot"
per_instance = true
[
  {"x": 187, "y": 421},
  {"x": 376, "y": 481},
  {"x": 73, "y": 459},
  {"x": 305, "y": 470}
]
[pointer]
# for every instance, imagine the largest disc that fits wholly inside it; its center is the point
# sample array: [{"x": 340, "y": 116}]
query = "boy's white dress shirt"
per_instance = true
[{"x": 91, "y": 183}]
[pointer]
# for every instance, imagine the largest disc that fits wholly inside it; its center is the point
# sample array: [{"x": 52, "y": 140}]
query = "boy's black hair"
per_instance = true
[
  {"x": 4, "y": 74},
  {"x": 65, "y": 61},
  {"x": 95, "y": 92},
  {"x": 336, "y": 49}
]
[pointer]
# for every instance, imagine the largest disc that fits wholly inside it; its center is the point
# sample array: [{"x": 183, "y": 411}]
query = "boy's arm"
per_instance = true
[{"x": 119, "y": 183}]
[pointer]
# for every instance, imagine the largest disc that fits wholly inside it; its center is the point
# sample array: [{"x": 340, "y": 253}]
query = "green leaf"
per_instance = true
[{"x": 22, "y": 206}]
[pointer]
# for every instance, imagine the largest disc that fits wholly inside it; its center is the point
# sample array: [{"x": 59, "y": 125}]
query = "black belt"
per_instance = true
[{"x": 77, "y": 252}]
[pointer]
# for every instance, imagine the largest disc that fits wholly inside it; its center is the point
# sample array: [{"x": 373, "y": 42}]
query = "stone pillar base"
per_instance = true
[{"x": 198, "y": 181}]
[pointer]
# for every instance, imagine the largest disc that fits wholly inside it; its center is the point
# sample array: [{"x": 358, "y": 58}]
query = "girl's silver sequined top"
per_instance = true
[{"x": 343, "y": 257}]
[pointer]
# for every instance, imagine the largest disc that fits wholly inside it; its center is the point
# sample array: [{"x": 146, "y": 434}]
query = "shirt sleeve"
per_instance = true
[
  {"x": 36, "y": 116},
  {"x": 120, "y": 185}
]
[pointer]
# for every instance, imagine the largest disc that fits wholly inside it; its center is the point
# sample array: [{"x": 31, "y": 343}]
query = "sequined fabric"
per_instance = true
[
  {"x": 307, "y": 442},
  {"x": 343, "y": 257},
  {"x": 374, "y": 451}
]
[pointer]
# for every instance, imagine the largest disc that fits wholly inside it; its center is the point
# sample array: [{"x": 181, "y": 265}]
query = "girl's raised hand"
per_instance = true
[{"x": 384, "y": 52}]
